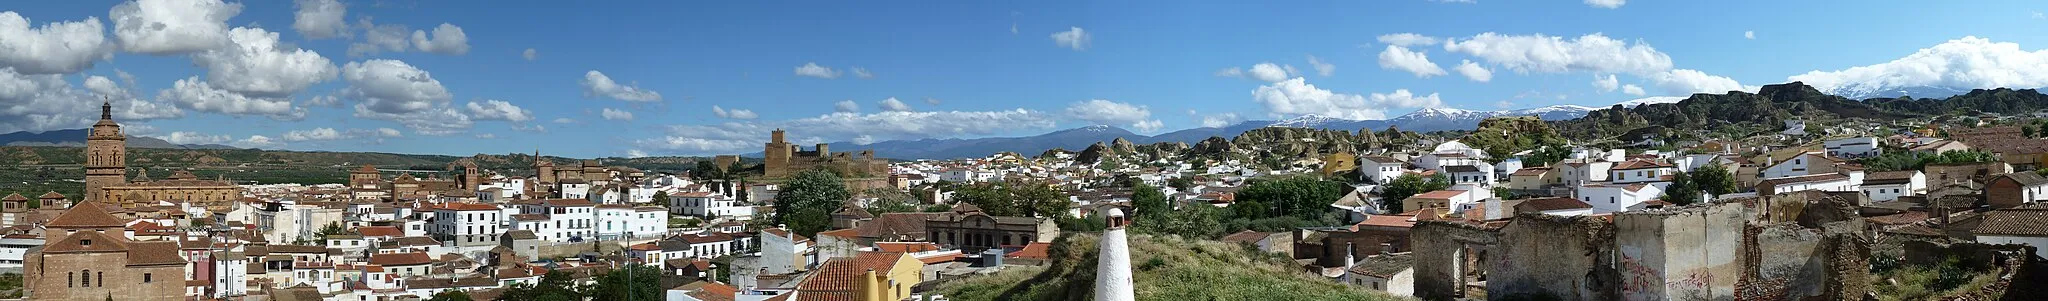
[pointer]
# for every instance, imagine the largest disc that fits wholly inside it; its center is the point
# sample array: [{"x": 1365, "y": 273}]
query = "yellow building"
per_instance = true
[
  {"x": 181, "y": 186},
  {"x": 1533, "y": 178},
  {"x": 1339, "y": 162},
  {"x": 868, "y": 276}
]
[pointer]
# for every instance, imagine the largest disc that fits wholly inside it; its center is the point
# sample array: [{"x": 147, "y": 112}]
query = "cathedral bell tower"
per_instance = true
[{"x": 106, "y": 155}]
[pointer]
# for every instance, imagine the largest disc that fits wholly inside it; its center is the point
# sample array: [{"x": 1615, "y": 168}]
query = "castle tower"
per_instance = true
[
  {"x": 775, "y": 156},
  {"x": 1113, "y": 268},
  {"x": 106, "y": 153}
]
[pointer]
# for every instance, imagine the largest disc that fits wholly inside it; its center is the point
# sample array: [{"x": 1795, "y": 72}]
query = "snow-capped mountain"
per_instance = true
[
  {"x": 1434, "y": 119},
  {"x": 1650, "y": 100},
  {"x": 1861, "y": 92}
]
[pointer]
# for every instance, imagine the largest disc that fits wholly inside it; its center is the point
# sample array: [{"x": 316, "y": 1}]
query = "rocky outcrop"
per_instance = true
[{"x": 1094, "y": 153}]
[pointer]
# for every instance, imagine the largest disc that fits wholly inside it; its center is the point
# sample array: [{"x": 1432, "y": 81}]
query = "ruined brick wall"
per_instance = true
[
  {"x": 1692, "y": 254},
  {"x": 1436, "y": 246},
  {"x": 1568, "y": 258}
]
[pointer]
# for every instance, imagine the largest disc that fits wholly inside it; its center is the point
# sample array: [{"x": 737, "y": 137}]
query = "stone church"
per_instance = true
[
  {"x": 106, "y": 174},
  {"x": 85, "y": 257}
]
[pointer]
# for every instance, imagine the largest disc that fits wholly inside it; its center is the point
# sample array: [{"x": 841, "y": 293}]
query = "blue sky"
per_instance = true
[{"x": 699, "y": 78}]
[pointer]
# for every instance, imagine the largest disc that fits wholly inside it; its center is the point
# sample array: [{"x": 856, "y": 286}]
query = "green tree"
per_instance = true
[
  {"x": 1181, "y": 183},
  {"x": 632, "y": 282},
  {"x": 888, "y": 201},
  {"x": 553, "y": 286},
  {"x": 1014, "y": 198},
  {"x": 1303, "y": 197},
  {"x": 451, "y": 295},
  {"x": 331, "y": 229},
  {"x": 1408, "y": 185},
  {"x": 661, "y": 198},
  {"x": 1682, "y": 190},
  {"x": 1192, "y": 222},
  {"x": 1714, "y": 179},
  {"x": 806, "y": 202},
  {"x": 1147, "y": 200}
]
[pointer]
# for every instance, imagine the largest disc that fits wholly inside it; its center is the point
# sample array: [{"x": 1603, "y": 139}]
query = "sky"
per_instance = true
[{"x": 650, "y": 78}]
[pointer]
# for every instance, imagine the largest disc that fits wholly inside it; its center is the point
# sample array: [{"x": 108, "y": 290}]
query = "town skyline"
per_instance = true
[{"x": 326, "y": 75}]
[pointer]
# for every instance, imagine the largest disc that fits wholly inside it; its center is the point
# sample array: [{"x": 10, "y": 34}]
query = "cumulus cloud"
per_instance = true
[
  {"x": 388, "y": 133},
  {"x": 58, "y": 47},
  {"x": 492, "y": 109},
  {"x": 1749, "y": 34},
  {"x": 319, "y": 134},
  {"x": 1105, "y": 112},
  {"x": 1688, "y": 81},
  {"x": 1403, "y": 98},
  {"x": 812, "y": 69},
  {"x": 172, "y": 26},
  {"x": 1606, "y": 84},
  {"x": 1230, "y": 72},
  {"x": 1322, "y": 68},
  {"x": 1550, "y": 54},
  {"x": 1269, "y": 72},
  {"x": 565, "y": 120},
  {"x": 846, "y": 106},
  {"x": 128, "y": 107},
  {"x": 1966, "y": 63},
  {"x": 1297, "y": 97},
  {"x": 446, "y": 39},
  {"x": 733, "y": 137},
  {"x": 1632, "y": 89},
  {"x": 862, "y": 73},
  {"x": 183, "y": 137},
  {"x": 438, "y": 120},
  {"x": 931, "y": 101},
  {"x": 194, "y": 94},
  {"x": 45, "y": 102},
  {"x": 1408, "y": 39},
  {"x": 392, "y": 87},
  {"x": 741, "y": 114},
  {"x": 1473, "y": 71},
  {"x": 596, "y": 84},
  {"x": 1072, "y": 38},
  {"x": 530, "y": 54},
  {"x": 257, "y": 141},
  {"x": 893, "y": 105},
  {"x": 254, "y": 63},
  {"x": 1608, "y": 4},
  {"x": 379, "y": 38},
  {"x": 1400, "y": 58},
  {"x": 1220, "y": 120},
  {"x": 320, "y": 19},
  {"x": 486, "y": 136},
  {"x": 611, "y": 114}
]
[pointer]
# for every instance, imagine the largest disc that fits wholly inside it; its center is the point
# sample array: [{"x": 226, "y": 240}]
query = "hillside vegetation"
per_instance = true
[{"x": 1164, "y": 268}]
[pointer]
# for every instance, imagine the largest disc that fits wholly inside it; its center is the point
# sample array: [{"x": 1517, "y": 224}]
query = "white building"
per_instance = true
[
  {"x": 782, "y": 252},
  {"x": 1638, "y": 171},
  {"x": 1607, "y": 198},
  {"x": 1801, "y": 165},
  {"x": 14, "y": 248},
  {"x": 467, "y": 224},
  {"x": 573, "y": 189},
  {"x": 1821, "y": 182},
  {"x": 708, "y": 204},
  {"x": 1381, "y": 169},
  {"x": 1859, "y": 147},
  {"x": 2019, "y": 225},
  {"x": 1468, "y": 174},
  {"x": 620, "y": 220},
  {"x": 1890, "y": 185},
  {"x": 1583, "y": 173},
  {"x": 229, "y": 273},
  {"x": 706, "y": 245},
  {"x": 567, "y": 219}
]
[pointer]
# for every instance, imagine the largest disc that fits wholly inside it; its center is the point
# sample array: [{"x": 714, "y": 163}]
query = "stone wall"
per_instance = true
[
  {"x": 1681, "y": 255},
  {"x": 1540, "y": 255},
  {"x": 1437, "y": 272}
]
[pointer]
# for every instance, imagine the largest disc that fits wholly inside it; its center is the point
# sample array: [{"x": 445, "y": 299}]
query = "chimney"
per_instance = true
[{"x": 1349, "y": 260}]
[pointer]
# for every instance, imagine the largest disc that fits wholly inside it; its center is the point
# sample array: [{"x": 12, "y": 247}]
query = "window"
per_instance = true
[
  {"x": 1610, "y": 200},
  {"x": 145, "y": 277}
]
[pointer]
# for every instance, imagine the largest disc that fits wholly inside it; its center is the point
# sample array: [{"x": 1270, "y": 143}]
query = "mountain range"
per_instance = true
[
  {"x": 1076, "y": 139},
  {"x": 76, "y": 138}
]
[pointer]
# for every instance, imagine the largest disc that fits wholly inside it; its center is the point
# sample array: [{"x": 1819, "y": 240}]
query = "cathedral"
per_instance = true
[
  {"x": 106, "y": 174},
  {"x": 86, "y": 256}
]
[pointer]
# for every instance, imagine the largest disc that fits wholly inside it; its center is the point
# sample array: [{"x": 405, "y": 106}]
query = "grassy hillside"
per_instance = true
[{"x": 1165, "y": 268}]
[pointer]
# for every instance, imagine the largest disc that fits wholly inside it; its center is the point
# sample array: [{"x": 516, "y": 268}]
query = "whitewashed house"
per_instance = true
[
  {"x": 1639, "y": 171},
  {"x": 1890, "y": 185},
  {"x": 1607, "y": 198},
  {"x": 1381, "y": 169},
  {"x": 1859, "y": 147},
  {"x": 1821, "y": 182}
]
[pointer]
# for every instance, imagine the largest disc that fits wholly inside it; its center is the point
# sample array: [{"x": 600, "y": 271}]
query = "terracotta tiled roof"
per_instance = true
[
  {"x": 881, "y": 262},
  {"x": 899, "y": 223},
  {"x": 1461, "y": 168},
  {"x": 529, "y": 217},
  {"x": 1384, "y": 266},
  {"x": 380, "y": 231},
  {"x": 1640, "y": 164},
  {"x": 401, "y": 259},
  {"x": 1396, "y": 221},
  {"x": 705, "y": 238},
  {"x": 85, "y": 215},
  {"x": 2023, "y": 178},
  {"x": 833, "y": 281},
  {"x": 906, "y": 247},
  {"x": 1551, "y": 204},
  {"x": 153, "y": 253},
  {"x": 298, "y": 249},
  {"x": 1246, "y": 236},
  {"x": 1889, "y": 177},
  {"x": 1034, "y": 250},
  {"x": 2024, "y": 221},
  {"x": 14, "y": 197},
  {"x": 567, "y": 203},
  {"x": 467, "y": 207},
  {"x": 51, "y": 195},
  {"x": 1530, "y": 172},
  {"x": 841, "y": 233},
  {"x": 76, "y": 242}
]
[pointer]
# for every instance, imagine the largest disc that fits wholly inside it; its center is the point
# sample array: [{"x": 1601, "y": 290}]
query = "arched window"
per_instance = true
[
  {"x": 85, "y": 278},
  {"x": 102, "y": 278},
  {"x": 67, "y": 279}
]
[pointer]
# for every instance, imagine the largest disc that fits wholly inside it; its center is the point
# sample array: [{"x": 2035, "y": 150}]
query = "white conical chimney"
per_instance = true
[
  {"x": 1113, "y": 267},
  {"x": 1349, "y": 259}
]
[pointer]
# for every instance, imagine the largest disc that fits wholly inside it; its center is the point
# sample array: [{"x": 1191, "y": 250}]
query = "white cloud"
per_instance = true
[
  {"x": 565, "y": 120},
  {"x": 1403, "y": 98},
  {"x": 1473, "y": 71},
  {"x": 392, "y": 87},
  {"x": 1549, "y": 54},
  {"x": 58, "y": 47},
  {"x": 1632, "y": 89},
  {"x": 388, "y": 133},
  {"x": 1606, "y": 84},
  {"x": 194, "y": 94},
  {"x": 182, "y": 137},
  {"x": 634, "y": 153},
  {"x": 862, "y": 73},
  {"x": 257, "y": 141},
  {"x": 530, "y": 54},
  {"x": 47, "y": 102},
  {"x": 536, "y": 128},
  {"x": 1688, "y": 81},
  {"x": 846, "y": 106},
  {"x": 1400, "y": 58},
  {"x": 1296, "y": 97},
  {"x": 1322, "y": 68},
  {"x": 1408, "y": 39},
  {"x": 893, "y": 105},
  {"x": 127, "y": 107},
  {"x": 596, "y": 84},
  {"x": 492, "y": 109},
  {"x": 379, "y": 38},
  {"x": 438, "y": 120},
  {"x": 741, "y": 114},
  {"x": 486, "y": 136},
  {"x": 254, "y": 63},
  {"x": 319, "y": 134},
  {"x": 747, "y": 136},
  {"x": 1220, "y": 120},
  {"x": 1609, "y": 4},
  {"x": 1072, "y": 38},
  {"x": 1268, "y": 72},
  {"x": 812, "y": 69},
  {"x": 447, "y": 39},
  {"x": 931, "y": 101},
  {"x": 1965, "y": 63},
  {"x": 172, "y": 26},
  {"x": 1230, "y": 72},
  {"x": 1749, "y": 34},
  {"x": 1105, "y": 112},
  {"x": 329, "y": 101},
  {"x": 611, "y": 114},
  {"x": 320, "y": 19}
]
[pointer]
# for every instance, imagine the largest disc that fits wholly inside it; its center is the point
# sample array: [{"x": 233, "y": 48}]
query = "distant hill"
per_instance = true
[
  {"x": 76, "y": 138},
  {"x": 1738, "y": 113}
]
